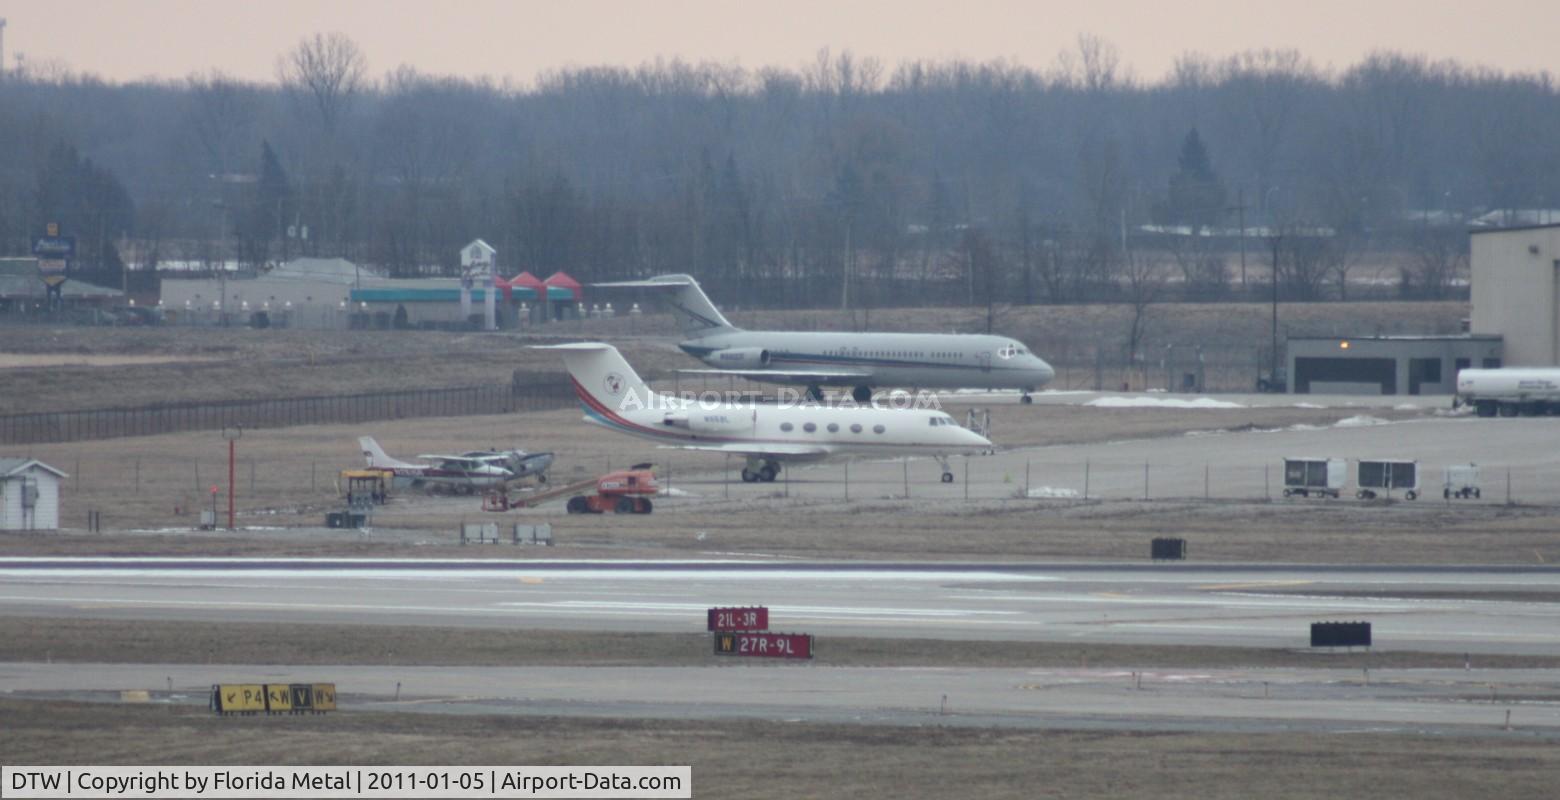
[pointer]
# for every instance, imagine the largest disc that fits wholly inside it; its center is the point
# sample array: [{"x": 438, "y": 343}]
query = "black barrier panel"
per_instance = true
[
  {"x": 1340, "y": 634},
  {"x": 302, "y": 697},
  {"x": 1168, "y": 549}
]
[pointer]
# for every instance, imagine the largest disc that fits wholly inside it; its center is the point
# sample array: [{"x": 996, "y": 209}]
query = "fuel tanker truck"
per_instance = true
[{"x": 1510, "y": 391}]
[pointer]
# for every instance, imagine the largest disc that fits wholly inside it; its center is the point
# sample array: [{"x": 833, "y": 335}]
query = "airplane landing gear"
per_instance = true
[
  {"x": 861, "y": 394},
  {"x": 815, "y": 393},
  {"x": 1026, "y": 399},
  {"x": 947, "y": 471},
  {"x": 760, "y": 469}
]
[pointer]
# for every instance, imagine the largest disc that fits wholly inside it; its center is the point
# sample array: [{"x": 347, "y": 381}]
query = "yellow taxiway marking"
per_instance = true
[
  {"x": 531, "y": 580},
  {"x": 1215, "y": 587}
]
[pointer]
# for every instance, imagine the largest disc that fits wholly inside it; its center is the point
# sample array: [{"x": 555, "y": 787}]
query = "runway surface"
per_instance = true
[{"x": 1491, "y": 610}]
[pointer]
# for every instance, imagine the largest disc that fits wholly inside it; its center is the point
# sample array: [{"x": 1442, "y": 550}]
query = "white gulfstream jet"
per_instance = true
[
  {"x": 766, "y": 434},
  {"x": 863, "y": 361}
]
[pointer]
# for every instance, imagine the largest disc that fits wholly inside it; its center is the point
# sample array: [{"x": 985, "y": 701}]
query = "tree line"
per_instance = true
[{"x": 844, "y": 182}]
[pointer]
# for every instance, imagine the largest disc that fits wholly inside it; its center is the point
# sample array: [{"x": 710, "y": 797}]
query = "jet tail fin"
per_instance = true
[
  {"x": 602, "y": 377},
  {"x": 375, "y": 455},
  {"x": 696, "y": 315}
]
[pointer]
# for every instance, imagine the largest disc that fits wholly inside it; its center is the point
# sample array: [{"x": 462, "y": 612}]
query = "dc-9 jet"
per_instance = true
[{"x": 863, "y": 361}]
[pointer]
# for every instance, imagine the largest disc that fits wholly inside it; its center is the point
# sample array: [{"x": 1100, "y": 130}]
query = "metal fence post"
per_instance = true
[
  {"x": 1085, "y": 479},
  {"x": 1145, "y": 480}
]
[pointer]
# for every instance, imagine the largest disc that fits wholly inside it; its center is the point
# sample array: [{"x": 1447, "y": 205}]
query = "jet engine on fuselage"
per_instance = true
[{"x": 740, "y": 358}]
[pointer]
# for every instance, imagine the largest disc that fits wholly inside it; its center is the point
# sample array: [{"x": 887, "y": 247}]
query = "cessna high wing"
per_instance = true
[
  {"x": 467, "y": 472},
  {"x": 860, "y": 360},
  {"x": 765, "y": 434}
]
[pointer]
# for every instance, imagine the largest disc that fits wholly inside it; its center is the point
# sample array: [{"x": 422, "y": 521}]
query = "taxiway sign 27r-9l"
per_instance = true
[
  {"x": 863, "y": 361},
  {"x": 765, "y": 434}
]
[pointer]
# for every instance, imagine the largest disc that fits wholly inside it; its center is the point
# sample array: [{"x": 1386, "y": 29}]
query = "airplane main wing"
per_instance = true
[
  {"x": 476, "y": 461},
  {"x": 798, "y": 376}
]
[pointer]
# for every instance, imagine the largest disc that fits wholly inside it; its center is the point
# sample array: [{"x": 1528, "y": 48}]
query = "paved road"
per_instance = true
[
  {"x": 1427, "y": 701},
  {"x": 1229, "y": 605}
]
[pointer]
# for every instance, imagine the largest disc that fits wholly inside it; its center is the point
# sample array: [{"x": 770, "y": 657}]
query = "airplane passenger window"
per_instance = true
[
  {"x": 810, "y": 428},
  {"x": 855, "y": 428},
  {"x": 834, "y": 427},
  {"x": 877, "y": 428},
  {"x": 786, "y": 426}
]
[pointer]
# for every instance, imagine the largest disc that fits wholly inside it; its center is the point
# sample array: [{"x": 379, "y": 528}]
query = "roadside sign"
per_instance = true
[
  {"x": 738, "y": 619},
  {"x": 764, "y": 645},
  {"x": 55, "y": 247},
  {"x": 52, "y": 270}
]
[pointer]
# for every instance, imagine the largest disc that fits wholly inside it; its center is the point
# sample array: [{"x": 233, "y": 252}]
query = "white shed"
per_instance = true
[{"x": 29, "y": 495}]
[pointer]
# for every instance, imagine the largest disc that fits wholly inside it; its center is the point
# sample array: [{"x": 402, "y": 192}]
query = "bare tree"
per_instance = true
[
  {"x": 221, "y": 111},
  {"x": 1143, "y": 278},
  {"x": 326, "y": 73},
  {"x": 1439, "y": 256}
]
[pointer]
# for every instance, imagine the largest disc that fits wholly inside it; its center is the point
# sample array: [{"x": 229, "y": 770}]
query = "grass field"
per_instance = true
[
  {"x": 152, "y": 642},
  {"x": 758, "y": 759},
  {"x": 213, "y": 364}
]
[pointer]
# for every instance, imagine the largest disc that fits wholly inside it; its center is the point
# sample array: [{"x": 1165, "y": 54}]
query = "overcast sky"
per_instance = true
[{"x": 130, "y": 39}]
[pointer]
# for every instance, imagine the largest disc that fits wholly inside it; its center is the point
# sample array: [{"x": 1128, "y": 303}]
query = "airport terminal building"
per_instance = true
[
  {"x": 1515, "y": 323},
  {"x": 1516, "y": 291},
  {"x": 1376, "y": 365}
]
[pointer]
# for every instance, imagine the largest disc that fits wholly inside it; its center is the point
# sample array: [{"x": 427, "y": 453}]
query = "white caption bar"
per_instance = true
[{"x": 328, "y": 782}]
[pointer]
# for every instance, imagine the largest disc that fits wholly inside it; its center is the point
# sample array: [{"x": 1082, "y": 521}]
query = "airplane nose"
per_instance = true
[{"x": 1043, "y": 371}]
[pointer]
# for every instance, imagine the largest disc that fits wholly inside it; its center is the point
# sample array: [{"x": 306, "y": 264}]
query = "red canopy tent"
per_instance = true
[
  {"x": 562, "y": 280},
  {"x": 526, "y": 280}
]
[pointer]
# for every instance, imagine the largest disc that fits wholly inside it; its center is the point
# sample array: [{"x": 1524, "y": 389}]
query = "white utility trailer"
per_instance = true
[
  {"x": 1384, "y": 475},
  {"x": 1460, "y": 481},
  {"x": 1322, "y": 477}
]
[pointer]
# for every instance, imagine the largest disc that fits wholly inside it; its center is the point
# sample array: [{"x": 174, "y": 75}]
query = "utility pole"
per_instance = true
[
  {"x": 2, "y": 48},
  {"x": 1273, "y": 367},
  {"x": 1240, "y": 205},
  {"x": 232, "y": 435}
]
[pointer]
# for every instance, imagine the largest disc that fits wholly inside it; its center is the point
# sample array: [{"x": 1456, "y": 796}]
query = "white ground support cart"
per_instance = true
[
  {"x": 1460, "y": 481},
  {"x": 1321, "y": 477},
  {"x": 1377, "y": 476}
]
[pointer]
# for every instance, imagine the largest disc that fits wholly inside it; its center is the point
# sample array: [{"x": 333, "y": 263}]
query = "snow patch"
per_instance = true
[
  {"x": 1161, "y": 402},
  {"x": 1359, "y": 421},
  {"x": 1051, "y": 492},
  {"x": 1307, "y": 405},
  {"x": 672, "y": 491}
]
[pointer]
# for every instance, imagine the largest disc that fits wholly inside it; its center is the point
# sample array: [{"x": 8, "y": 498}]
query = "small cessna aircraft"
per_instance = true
[{"x": 465, "y": 473}]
